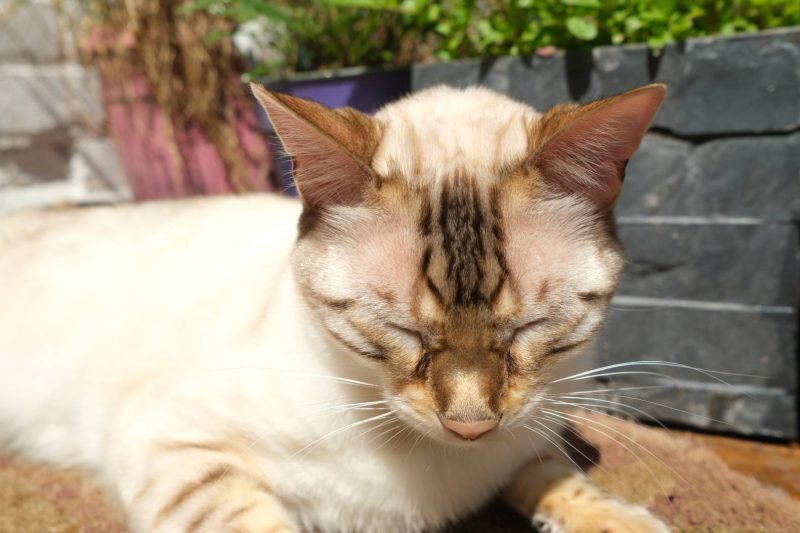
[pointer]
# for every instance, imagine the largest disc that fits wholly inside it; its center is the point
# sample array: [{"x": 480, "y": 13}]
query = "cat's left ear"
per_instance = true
[
  {"x": 584, "y": 149},
  {"x": 330, "y": 149}
]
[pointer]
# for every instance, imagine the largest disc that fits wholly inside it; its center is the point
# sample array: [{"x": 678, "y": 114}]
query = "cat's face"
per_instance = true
[{"x": 460, "y": 243}]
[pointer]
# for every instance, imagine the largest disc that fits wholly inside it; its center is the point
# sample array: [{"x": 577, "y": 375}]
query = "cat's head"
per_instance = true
[{"x": 460, "y": 242}]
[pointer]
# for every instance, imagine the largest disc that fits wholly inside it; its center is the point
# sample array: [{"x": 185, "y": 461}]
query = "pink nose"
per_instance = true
[{"x": 469, "y": 430}]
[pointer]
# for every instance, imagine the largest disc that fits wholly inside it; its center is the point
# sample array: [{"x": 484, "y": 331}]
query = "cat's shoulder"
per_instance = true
[{"x": 201, "y": 212}]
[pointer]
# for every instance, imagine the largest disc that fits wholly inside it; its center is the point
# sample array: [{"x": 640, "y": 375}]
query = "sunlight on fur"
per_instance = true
[{"x": 405, "y": 352}]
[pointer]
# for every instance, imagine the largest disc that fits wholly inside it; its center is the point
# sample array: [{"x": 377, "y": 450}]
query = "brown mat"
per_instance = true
[{"x": 679, "y": 479}]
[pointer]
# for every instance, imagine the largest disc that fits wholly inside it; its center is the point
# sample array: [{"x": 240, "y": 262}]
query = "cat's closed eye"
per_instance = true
[{"x": 423, "y": 364}]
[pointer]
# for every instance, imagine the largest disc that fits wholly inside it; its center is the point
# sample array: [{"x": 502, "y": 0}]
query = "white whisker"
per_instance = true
[
  {"x": 564, "y": 439},
  {"x": 703, "y": 417},
  {"x": 555, "y": 445},
  {"x": 337, "y": 379},
  {"x": 397, "y": 430},
  {"x": 361, "y": 406},
  {"x": 705, "y": 372},
  {"x": 341, "y": 429},
  {"x": 373, "y": 428},
  {"x": 630, "y": 451},
  {"x": 606, "y": 426},
  {"x": 616, "y": 389},
  {"x": 613, "y": 404},
  {"x": 572, "y": 430}
]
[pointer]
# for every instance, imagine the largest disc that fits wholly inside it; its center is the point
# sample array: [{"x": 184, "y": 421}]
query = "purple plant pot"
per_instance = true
[{"x": 364, "y": 90}]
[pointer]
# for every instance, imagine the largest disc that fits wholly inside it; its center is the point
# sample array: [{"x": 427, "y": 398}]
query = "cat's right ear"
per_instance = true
[
  {"x": 330, "y": 149},
  {"x": 586, "y": 148}
]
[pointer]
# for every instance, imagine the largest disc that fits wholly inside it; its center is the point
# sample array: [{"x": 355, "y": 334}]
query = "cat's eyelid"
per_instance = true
[
  {"x": 406, "y": 331},
  {"x": 531, "y": 323},
  {"x": 595, "y": 296},
  {"x": 528, "y": 325}
]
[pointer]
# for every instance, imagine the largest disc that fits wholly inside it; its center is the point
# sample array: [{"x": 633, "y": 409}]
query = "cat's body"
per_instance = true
[
  {"x": 220, "y": 377},
  {"x": 236, "y": 368}
]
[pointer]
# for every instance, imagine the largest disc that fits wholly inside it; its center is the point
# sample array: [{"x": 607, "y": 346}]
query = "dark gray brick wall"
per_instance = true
[{"x": 709, "y": 214}]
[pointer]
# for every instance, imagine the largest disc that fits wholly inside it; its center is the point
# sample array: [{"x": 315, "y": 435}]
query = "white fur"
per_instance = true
[
  {"x": 472, "y": 128},
  {"x": 181, "y": 322},
  {"x": 125, "y": 330}
]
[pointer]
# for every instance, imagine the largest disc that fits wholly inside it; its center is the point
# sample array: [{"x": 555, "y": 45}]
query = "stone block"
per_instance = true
[
  {"x": 42, "y": 158},
  {"x": 88, "y": 172},
  {"x": 745, "y": 410},
  {"x": 759, "y": 348},
  {"x": 96, "y": 163},
  {"x": 538, "y": 81},
  {"x": 38, "y": 98},
  {"x": 29, "y": 33},
  {"x": 735, "y": 263},
  {"x": 456, "y": 74},
  {"x": 720, "y": 85},
  {"x": 741, "y": 84},
  {"x": 756, "y": 176},
  {"x": 617, "y": 69},
  {"x": 710, "y": 336},
  {"x": 655, "y": 179}
]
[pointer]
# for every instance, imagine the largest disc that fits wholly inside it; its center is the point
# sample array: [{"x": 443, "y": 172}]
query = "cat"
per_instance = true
[{"x": 374, "y": 367}]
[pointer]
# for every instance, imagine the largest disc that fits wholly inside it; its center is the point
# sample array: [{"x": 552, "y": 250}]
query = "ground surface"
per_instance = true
[
  {"x": 696, "y": 483},
  {"x": 772, "y": 464}
]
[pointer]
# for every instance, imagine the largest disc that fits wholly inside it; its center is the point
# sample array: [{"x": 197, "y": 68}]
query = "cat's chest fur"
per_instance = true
[{"x": 368, "y": 490}]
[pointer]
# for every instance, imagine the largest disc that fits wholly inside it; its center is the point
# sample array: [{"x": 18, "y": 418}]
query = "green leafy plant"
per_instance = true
[
  {"x": 314, "y": 34},
  {"x": 318, "y": 34}
]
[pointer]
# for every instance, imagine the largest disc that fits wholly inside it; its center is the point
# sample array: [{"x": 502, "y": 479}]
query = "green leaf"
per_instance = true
[
  {"x": 217, "y": 35},
  {"x": 251, "y": 8},
  {"x": 444, "y": 28},
  {"x": 584, "y": 28},
  {"x": 365, "y": 4},
  {"x": 433, "y": 13},
  {"x": 488, "y": 32},
  {"x": 444, "y": 55},
  {"x": 633, "y": 24},
  {"x": 583, "y": 3}
]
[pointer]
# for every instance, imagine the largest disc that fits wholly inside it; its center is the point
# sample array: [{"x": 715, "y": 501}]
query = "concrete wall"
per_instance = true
[
  {"x": 709, "y": 214},
  {"x": 53, "y": 149}
]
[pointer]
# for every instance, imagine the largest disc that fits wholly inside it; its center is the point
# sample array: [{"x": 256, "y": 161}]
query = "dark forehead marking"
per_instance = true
[
  {"x": 498, "y": 247},
  {"x": 497, "y": 213},
  {"x": 426, "y": 260},
  {"x": 423, "y": 268},
  {"x": 426, "y": 217},
  {"x": 461, "y": 222}
]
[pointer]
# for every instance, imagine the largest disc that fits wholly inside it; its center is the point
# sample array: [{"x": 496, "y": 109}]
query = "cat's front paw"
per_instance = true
[{"x": 609, "y": 517}]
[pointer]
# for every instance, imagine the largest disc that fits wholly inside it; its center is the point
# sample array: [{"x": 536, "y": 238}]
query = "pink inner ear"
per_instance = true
[
  {"x": 325, "y": 171},
  {"x": 589, "y": 155}
]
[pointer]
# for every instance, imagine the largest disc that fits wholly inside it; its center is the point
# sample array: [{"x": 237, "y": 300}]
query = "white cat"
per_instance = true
[{"x": 384, "y": 368}]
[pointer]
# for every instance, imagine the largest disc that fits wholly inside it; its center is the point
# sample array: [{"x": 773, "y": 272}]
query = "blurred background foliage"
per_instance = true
[
  {"x": 193, "y": 54},
  {"x": 193, "y": 79},
  {"x": 283, "y": 37}
]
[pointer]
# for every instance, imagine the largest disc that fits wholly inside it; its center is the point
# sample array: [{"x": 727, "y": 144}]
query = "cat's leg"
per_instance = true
[
  {"x": 560, "y": 499},
  {"x": 199, "y": 486}
]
